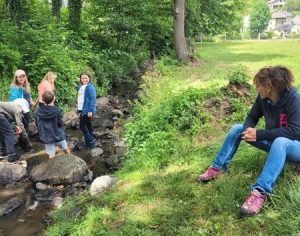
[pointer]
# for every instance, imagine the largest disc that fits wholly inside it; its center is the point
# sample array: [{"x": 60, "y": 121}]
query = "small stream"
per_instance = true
[{"x": 31, "y": 217}]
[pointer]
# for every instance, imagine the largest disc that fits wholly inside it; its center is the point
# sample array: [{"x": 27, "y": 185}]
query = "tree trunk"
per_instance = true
[
  {"x": 179, "y": 37},
  {"x": 74, "y": 8},
  {"x": 56, "y": 6}
]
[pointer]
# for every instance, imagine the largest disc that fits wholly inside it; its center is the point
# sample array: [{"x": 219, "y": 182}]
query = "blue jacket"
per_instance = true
[
  {"x": 89, "y": 103},
  {"x": 49, "y": 121},
  {"x": 18, "y": 92},
  {"x": 282, "y": 119}
]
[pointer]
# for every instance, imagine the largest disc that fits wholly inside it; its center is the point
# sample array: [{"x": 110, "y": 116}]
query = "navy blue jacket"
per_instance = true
[
  {"x": 49, "y": 121},
  {"x": 282, "y": 119}
]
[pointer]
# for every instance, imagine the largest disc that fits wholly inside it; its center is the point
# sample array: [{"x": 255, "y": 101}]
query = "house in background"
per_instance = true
[
  {"x": 282, "y": 23},
  {"x": 274, "y": 4},
  {"x": 279, "y": 18},
  {"x": 296, "y": 20},
  {"x": 287, "y": 29}
]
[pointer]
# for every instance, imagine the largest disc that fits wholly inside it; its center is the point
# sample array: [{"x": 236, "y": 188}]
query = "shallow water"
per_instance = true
[{"x": 23, "y": 221}]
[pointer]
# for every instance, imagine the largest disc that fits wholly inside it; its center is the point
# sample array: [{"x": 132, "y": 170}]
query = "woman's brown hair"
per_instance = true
[{"x": 278, "y": 77}]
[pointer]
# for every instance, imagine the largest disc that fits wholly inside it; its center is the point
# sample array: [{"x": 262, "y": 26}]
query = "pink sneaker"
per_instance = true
[
  {"x": 253, "y": 203},
  {"x": 210, "y": 173}
]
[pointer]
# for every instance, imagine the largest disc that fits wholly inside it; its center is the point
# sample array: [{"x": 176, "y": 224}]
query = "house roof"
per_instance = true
[
  {"x": 284, "y": 27},
  {"x": 281, "y": 14},
  {"x": 285, "y": 13}
]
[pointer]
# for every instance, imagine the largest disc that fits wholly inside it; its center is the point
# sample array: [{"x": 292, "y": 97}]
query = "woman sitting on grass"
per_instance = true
[{"x": 278, "y": 102}]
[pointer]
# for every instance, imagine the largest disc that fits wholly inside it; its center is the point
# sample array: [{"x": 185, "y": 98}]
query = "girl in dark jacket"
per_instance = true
[{"x": 278, "y": 102}]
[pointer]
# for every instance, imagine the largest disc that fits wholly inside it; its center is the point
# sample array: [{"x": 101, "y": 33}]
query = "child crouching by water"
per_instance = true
[{"x": 49, "y": 121}]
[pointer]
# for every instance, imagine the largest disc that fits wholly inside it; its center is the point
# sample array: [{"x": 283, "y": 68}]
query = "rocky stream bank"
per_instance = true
[{"x": 36, "y": 185}]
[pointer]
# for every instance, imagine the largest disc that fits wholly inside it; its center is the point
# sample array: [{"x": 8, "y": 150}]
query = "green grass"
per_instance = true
[{"x": 156, "y": 193}]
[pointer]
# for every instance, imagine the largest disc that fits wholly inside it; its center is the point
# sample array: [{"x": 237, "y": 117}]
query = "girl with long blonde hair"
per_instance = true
[{"x": 47, "y": 84}]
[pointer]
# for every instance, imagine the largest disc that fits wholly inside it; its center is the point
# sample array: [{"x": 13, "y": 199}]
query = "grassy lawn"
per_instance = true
[{"x": 157, "y": 193}]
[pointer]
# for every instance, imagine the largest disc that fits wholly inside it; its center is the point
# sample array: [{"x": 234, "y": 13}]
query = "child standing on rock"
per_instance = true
[
  {"x": 49, "y": 121},
  {"x": 86, "y": 106}
]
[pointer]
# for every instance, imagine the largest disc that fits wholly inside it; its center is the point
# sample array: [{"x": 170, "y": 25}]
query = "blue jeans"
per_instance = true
[
  {"x": 7, "y": 142},
  {"x": 280, "y": 150}
]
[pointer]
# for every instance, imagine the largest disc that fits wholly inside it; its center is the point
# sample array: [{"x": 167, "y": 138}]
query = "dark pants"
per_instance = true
[
  {"x": 85, "y": 124},
  {"x": 7, "y": 143}
]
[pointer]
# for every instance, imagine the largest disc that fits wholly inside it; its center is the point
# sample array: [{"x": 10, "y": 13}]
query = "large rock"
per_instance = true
[
  {"x": 11, "y": 173},
  {"x": 101, "y": 184},
  {"x": 62, "y": 169},
  {"x": 103, "y": 104},
  {"x": 10, "y": 205},
  {"x": 71, "y": 119}
]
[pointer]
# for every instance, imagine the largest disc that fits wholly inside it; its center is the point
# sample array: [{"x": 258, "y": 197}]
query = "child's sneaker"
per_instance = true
[
  {"x": 253, "y": 203},
  {"x": 13, "y": 158},
  {"x": 89, "y": 146},
  {"x": 211, "y": 173}
]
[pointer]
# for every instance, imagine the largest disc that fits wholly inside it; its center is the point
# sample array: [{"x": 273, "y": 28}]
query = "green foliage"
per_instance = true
[
  {"x": 239, "y": 76},
  {"x": 7, "y": 57},
  {"x": 240, "y": 108},
  {"x": 142, "y": 28},
  {"x": 293, "y": 36},
  {"x": 271, "y": 34},
  {"x": 213, "y": 17},
  {"x": 260, "y": 16},
  {"x": 292, "y": 6},
  {"x": 17, "y": 11},
  {"x": 56, "y": 6},
  {"x": 74, "y": 8},
  {"x": 155, "y": 132},
  {"x": 115, "y": 64}
]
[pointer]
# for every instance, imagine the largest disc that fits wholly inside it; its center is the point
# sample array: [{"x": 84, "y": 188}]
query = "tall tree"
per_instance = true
[
  {"x": 55, "y": 9},
  {"x": 292, "y": 6},
  {"x": 140, "y": 27},
  {"x": 209, "y": 17},
  {"x": 179, "y": 36},
  {"x": 260, "y": 16},
  {"x": 74, "y": 8}
]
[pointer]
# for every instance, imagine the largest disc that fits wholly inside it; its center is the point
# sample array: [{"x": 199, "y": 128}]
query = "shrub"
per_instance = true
[
  {"x": 154, "y": 130},
  {"x": 239, "y": 75}
]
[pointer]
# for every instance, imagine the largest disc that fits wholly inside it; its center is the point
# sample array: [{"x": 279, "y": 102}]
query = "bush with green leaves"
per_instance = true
[
  {"x": 154, "y": 130},
  {"x": 239, "y": 76}
]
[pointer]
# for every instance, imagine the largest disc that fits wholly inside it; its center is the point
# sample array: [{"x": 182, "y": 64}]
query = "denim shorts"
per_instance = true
[{"x": 50, "y": 148}]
